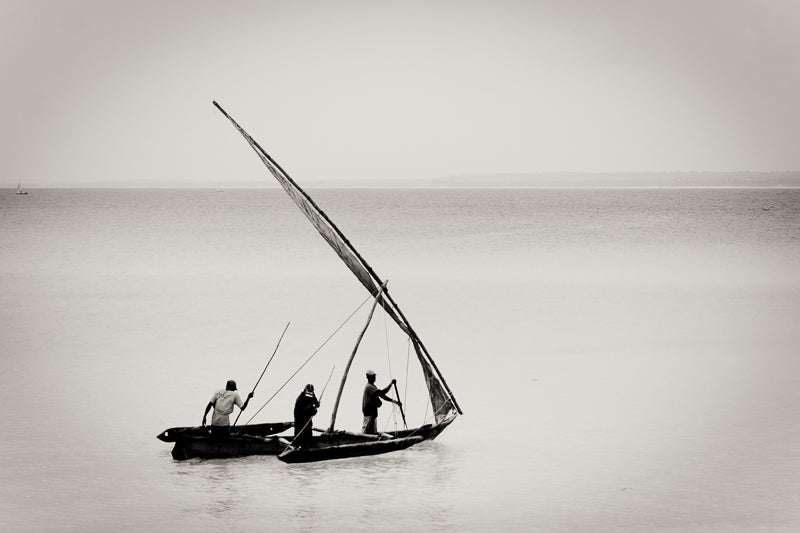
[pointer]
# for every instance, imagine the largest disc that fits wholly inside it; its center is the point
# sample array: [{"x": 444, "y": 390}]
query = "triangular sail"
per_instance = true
[
  {"x": 443, "y": 405},
  {"x": 437, "y": 387}
]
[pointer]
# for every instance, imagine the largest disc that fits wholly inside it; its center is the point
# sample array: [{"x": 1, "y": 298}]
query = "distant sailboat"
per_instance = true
[
  {"x": 20, "y": 190},
  {"x": 219, "y": 187}
]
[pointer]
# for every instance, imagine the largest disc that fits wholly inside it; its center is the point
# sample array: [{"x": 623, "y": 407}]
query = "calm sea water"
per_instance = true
[{"x": 627, "y": 359}]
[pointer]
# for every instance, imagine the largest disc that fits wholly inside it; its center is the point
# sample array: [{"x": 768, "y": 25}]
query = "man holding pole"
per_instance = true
[
  {"x": 223, "y": 401},
  {"x": 371, "y": 401},
  {"x": 305, "y": 407}
]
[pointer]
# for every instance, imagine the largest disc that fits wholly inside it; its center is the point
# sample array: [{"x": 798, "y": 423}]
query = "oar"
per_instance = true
[
  {"x": 265, "y": 368},
  {"x": 400, "y": 404}
]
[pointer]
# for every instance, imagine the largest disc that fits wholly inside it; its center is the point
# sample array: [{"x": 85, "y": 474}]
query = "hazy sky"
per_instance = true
[{"x": 101, "y": 90}]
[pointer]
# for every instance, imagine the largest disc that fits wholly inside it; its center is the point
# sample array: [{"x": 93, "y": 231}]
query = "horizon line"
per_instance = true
[{"x": 478, "y": 179}]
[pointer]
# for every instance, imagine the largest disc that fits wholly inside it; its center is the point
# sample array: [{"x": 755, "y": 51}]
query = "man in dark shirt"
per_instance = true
[
  {"x": 371, "y": 402},
  {"x": 305, "y": 407}
]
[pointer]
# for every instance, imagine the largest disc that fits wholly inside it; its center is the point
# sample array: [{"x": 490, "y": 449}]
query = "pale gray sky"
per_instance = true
[{"x": 106, "y": 91}]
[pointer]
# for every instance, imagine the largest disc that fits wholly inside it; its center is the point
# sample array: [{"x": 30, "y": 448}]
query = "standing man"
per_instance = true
[
  {"x": 223, "y": 401},
  {"x": 305, "y": 407},
  {"x": 371, "y": 402}
]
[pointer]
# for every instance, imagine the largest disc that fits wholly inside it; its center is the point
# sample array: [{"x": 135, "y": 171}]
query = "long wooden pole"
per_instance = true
[
  {"x": 321, "y": 394},
  {"x": 400, "y": 404},
  {"x": 353, "y": 355},
  {"x": 265, "y": 367}
]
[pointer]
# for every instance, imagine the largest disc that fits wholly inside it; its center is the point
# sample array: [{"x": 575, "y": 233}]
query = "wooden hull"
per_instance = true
[
  {"x": 197, "y": 443},
  {"x": 193, "y": 446},
  {"x": 342, "y": 444},
  {"x": 260, "y": 430},
  {"x": 342, "y": 451},
  {"x": 206, "y": 447},
  {"x": 428, "y": 431}
]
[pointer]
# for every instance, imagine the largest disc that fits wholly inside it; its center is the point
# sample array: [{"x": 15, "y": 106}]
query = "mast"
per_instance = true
[{"x": 352, "y": 356}]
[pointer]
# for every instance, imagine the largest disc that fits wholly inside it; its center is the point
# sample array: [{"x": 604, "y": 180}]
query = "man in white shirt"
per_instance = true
[{"x": 223, "y": 401}]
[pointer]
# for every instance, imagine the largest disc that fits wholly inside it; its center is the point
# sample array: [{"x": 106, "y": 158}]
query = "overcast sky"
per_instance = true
[{"x": 109, "y": 91}]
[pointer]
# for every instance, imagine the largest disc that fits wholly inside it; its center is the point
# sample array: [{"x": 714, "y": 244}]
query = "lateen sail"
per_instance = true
[
  {"x": 442, "y": 399},
  {"x": 444, "y": 406}
]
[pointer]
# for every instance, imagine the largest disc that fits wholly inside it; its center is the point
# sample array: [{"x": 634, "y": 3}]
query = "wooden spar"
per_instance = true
[
  {"x": 375, "y": 278},
  {"x": 321, "y": 394},
  {"x": 265, "y": 368},
  {"x": 353, "y": 355}
]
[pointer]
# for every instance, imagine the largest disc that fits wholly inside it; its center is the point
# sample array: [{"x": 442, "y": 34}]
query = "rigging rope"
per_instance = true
[
  {"x": 386, "y": 337},
  {"x": 408, "y": 357},
  {"x": 310, "y": 357},
  {"x": 389, "y": 362},
  {"x": 393, "y": 417}
]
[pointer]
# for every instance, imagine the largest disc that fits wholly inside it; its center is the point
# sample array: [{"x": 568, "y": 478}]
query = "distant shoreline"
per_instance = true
[
  {"x": 410, "y": 188},
  {"x": 540, "y": 180}
]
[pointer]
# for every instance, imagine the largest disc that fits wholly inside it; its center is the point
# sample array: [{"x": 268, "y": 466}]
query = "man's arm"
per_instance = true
[
  {"x": 249, "y": 395},
  {"x": 208, "y": 408},
  {"x": 382, "y": 393}
]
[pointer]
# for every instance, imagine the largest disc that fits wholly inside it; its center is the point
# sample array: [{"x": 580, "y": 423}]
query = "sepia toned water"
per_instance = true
[{"x": 626, "y": 359}]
